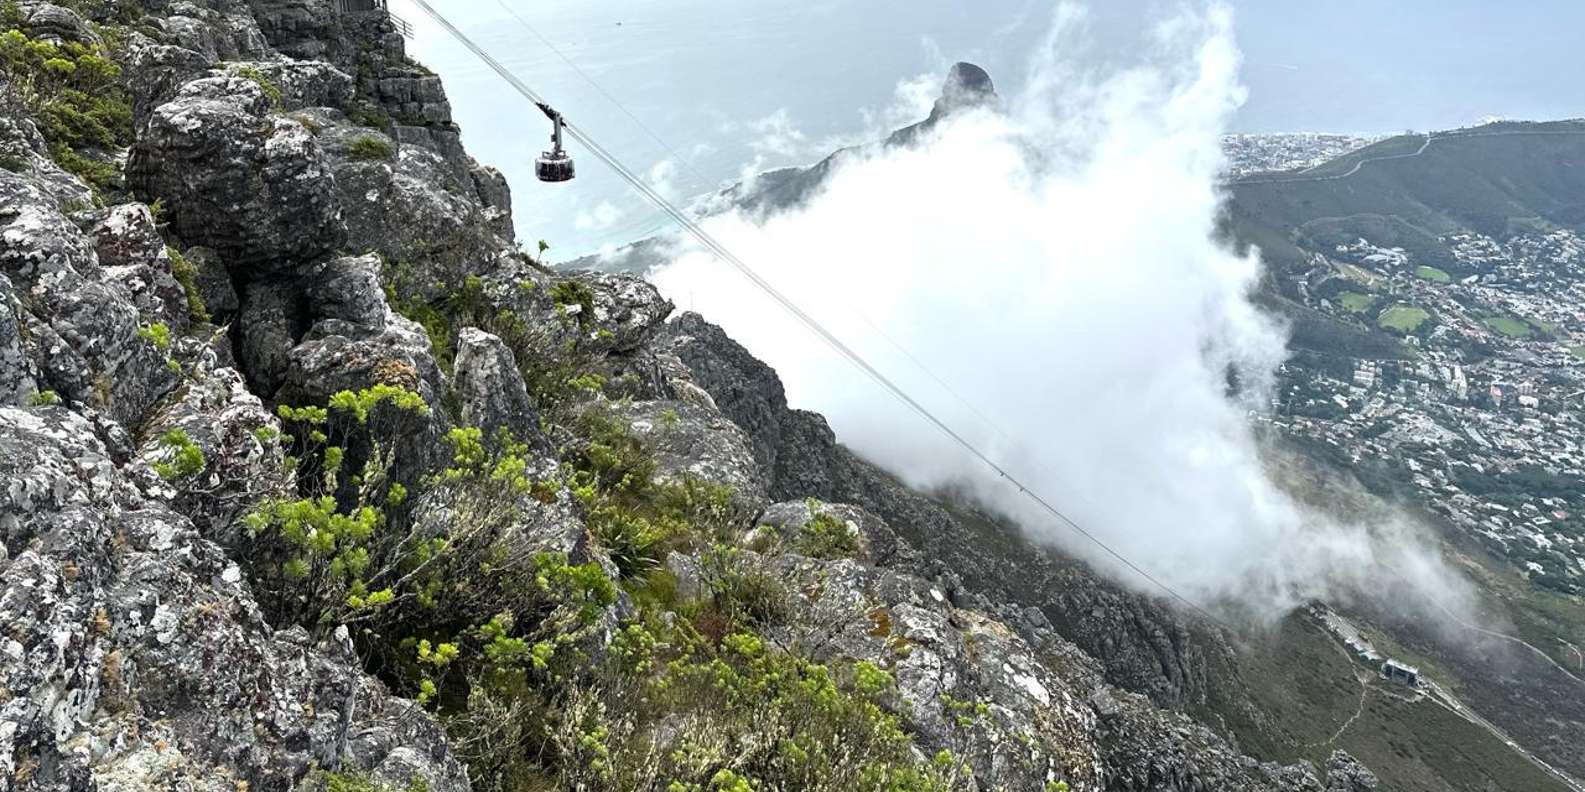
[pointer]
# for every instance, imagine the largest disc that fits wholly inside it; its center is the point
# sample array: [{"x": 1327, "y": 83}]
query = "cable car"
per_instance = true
[{"x": 553, "y": 165}]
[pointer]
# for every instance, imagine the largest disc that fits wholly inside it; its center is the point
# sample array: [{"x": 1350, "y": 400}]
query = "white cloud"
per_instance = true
[
  {"x": 603, "y": 216},
  {"x": 1055, "y": 264},
  {"x": 662, "y": 179},
  {"x": 776, "y": 135}
]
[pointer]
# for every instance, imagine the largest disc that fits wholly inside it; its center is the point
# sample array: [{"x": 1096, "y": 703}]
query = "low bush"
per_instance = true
[
  {"x": 186, "y": 274},
  {"x": 75, "y": 92},
  {"x": 826, "y": 536},
  {"x": 158, "y": 334},
  {"x": 736, "y": 714},
  {"x": 272, "y": 92},
  {"x": 182, "y": 456},
  {"x": 369, "y": 148}
]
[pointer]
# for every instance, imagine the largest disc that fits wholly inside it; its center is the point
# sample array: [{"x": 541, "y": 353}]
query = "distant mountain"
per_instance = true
[
  {"x": 967, "y": 86},
  {"x": 1409, "y": 190}
]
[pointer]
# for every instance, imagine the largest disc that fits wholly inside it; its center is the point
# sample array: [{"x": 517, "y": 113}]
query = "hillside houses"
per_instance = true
[{"x": 1483, "y": 423}]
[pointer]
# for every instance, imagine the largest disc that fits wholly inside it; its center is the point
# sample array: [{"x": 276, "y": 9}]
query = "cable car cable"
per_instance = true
[
  {"x": 836, "y": 344},
  {"x": 703, "y": 179},
  {"x": 638, "y": 122}
]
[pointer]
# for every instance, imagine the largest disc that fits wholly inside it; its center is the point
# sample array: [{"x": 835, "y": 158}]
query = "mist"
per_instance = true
[{"x": 1044, "y": 277}]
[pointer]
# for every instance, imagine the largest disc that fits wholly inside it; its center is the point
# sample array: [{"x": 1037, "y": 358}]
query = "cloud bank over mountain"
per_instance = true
[{"x": 1043, "y": 276}]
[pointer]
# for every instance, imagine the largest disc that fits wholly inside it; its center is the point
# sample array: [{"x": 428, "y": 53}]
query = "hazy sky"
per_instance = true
[
  {"x": 1354, "y": 65},
  {"x": 735, "y": 85},
  {"x": 1375, "y": 66}
]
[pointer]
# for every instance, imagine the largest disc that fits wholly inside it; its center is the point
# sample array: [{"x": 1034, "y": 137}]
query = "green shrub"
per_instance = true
[
  {"x": 710, "y": 509},
  {"x": 368, "y": 115},
  {"x": 186, "y": 274},
  {"x": 826, "y": 536},
  {"x": 308, "y": 122},
  {"x": 556, "y": 369},
  {"x": 361, "y": 404},
  {"x": 573, "y": 292},
  {"x": 745, "y": 716},
  {"x": 437, "y": 325},
  {"x": 76, "y": 93},
  {"x": 327, "y": 556},
  {"x": 744, "y": 596},
  {"x": 350, "y": 782},
  {"x": 184, "y": 457},
  {"x": 517, "y": 652},
  {"x": 590, "y": 382},
  {"x": 636, "y": 519},
  {"x": 272, "y": 92},
  {"x": 44, "y": 398},
  {"x": 635, "y": 544},
  {"x": 359, "y": 782},
  {"x": 368, "y": 148},
  {"x": 158, "y": 334},
  {"x": 610, "y": 461},
  {"x": 450, "y": 594}
]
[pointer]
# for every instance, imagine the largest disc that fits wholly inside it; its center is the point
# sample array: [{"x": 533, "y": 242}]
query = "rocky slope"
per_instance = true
[{"x": 310, "y": 478}]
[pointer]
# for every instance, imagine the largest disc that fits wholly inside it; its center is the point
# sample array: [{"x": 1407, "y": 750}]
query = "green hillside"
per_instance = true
[{"x": 1405, "y": 192}]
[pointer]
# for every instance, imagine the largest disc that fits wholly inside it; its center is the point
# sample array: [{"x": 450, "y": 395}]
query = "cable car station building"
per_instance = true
[{"x": 1394, "y": 671}]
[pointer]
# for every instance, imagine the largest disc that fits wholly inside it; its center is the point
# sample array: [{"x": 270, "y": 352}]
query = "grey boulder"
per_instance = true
[{"x": 251, "y": 185}]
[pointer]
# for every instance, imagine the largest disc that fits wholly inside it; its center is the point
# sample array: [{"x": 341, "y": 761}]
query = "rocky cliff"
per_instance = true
[{"x": 311, "y": 478}]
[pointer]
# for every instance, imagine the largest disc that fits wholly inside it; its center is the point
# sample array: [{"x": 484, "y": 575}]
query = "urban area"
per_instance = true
[{"x": 1478, "y": 411}]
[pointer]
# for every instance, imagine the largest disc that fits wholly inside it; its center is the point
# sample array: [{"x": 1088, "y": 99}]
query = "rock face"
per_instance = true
[
  {"x": 298, "y": 84},
  {"x": 491, "y": 388},
  {"x": 1345, "y": 774},
  {"x": 18, "y": 377},
  {"x": 54, "y": 23},
  {"x": 216, "y": 411},
  {"x": 941, "y": 655},
  {"x": 78, "y": 321},
  {"x": 135, "y": 655},
  {"x": 692, "y": 442},
  {"x": 251, "y": 185},
  {"x": 874, "y": 542},
  {"x": 134, "y": 650},
  {"x": 967, "y": 87}
]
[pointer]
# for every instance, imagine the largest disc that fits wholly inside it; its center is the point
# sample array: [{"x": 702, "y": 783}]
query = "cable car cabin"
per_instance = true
[{"x": 553, "y": 165}]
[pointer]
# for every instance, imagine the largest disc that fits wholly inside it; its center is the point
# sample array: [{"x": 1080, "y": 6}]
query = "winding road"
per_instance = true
[
  {"x": 1364, "y": 691},
  {"x": 1511, "y": 639},
  {"x": 1442, "y": 698},
  {"x": 1425, "y": 144},
  {"x": 1579, "y": 658}
]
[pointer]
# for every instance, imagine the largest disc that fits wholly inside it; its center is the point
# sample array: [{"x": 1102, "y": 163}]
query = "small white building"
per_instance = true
[{"x": 1395, "y": 671}]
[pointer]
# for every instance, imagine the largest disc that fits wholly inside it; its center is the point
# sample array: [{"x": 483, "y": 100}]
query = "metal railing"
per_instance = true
[
  {"x": 369, "y": 6},
  {"x": 402, "y": 26}
]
